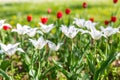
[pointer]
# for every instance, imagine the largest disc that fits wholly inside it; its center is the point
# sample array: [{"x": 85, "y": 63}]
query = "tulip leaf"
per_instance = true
[
  {"x": 104, "y": 65},
  {"x": 3, "y": 73},
  {"x": 91, "y": 64},
  {"x": 60, "y": 68},
  {"x": 4, "y": 65},
  {"x": 27, "y": 59}
]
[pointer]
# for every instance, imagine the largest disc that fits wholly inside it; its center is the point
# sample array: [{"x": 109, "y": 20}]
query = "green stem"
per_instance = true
[
  {"x": 71, "y": 54},
  {"x": 12, "y": 67}
]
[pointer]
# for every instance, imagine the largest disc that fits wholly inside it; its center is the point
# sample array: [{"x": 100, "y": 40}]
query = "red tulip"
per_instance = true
[
  {"x": 113, "y": 19},
  {"x": 84, "y": 5},
  {"x": 115, "y": 1},
  {"x": 59, "y": 15},
  {"x": 91, "y": 19},
  {"x": 49, "y": 11},
  {"x": 29, "y": 18},
  {"x": 6, "y": 27},
  {"x": 44, "y": 20},
  {"x": 67, "y": 11},
  {"x": 106, "y": 22}
]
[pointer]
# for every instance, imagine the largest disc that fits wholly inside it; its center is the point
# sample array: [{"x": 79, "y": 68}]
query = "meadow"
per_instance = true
[{"x": 60, "y": 40}]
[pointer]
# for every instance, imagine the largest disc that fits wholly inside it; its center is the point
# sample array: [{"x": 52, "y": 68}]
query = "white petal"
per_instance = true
[
  {"x": 34, "y": 42},
  {"x": 46, "y": 28},
  {"x": 51, "y": 45},
  {"x": 70, "y": 31},
  {"x": 4, "y": 47},
  {"x": 40, "y": 32},
  {"x": 20, "y": 49},
  {"x": 79, "y": 22},
  {"x": 40, "y": 43},
  {"x": 58, "y": 46},
  {"x": 19, "y": 26},
  {"x": 1, "y": 23}
]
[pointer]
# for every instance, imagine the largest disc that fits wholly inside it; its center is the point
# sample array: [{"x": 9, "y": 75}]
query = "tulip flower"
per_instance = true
[
  {"x": 49, "y": 11},
  {"x": 115, "y": 1},
  {"x": 70, "y": 31},
  {"x": 89, "y": 24},
  {"x": 114, "y": 19},
  {"x": 46, "y": 28},
  {"x": 109, "y": 31},
  {"x": 38, "y": 44},
  {"x": 29, "y": 18},
  {"x": 106, "y": 22},
  {"x": 67, "y": 11},
  {"x": 10, "y": 49},
  {"x": 59, "y": 15},
  {"x": 21, "y": 30},
  {"x": 31, "y": 32},
  {"x": 95, "y": 34},
  {"x": 91, "y": 19},
  {"x": 53, "y": 46},
  {"x": 44, "y": 20},
  {"x": 84, "y": 5},
  {"x": 79, "y": 22},
  {"x": 6, "y": 26}
]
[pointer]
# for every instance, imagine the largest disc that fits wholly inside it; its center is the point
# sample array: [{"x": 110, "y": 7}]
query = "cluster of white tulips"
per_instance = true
[
  {"x": 70, "y": 31},
  {"x": 45, "y": 43},
  {"x": 91, "y": 29}
]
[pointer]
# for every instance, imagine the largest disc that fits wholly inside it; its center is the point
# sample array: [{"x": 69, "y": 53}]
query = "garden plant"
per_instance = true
[{"x": 60, "y": 45}]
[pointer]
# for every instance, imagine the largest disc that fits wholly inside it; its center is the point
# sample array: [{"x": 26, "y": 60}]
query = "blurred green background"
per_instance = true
[{"x": 15, "y": 11}]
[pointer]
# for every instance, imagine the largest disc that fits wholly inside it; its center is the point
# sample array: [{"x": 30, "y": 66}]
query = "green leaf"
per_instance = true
[
  {"x": 91, "y": 64},
  {"x": 5, "y": 64},
  {"x": 48, "y": 70},
  {"x": 104, "y": 65},
  {"x": 27, "y": 59},
  {"x": 60, "y": 67},
  {"x": 3, "y": 73}
]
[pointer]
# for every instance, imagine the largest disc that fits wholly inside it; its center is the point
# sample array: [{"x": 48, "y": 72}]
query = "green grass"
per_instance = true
[
  {"x": 90, "y": 65},
  {"x": 17, "y": 12}
]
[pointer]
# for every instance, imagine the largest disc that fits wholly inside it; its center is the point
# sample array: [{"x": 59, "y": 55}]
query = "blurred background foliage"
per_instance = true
[{"x": 15, "y": 11}]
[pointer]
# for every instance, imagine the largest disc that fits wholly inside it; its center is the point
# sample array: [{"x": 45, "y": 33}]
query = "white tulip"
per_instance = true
[
  {"x": 21, "y": 30},
  {"x": 38, "y": 44},
  {"x": 89, "y": 25},
  {"x": 109, "y": 30},
  {"x": 10, "y": 49},
  {"x": 46, "y": 28},
  {"x": 53, "y": 46},
  {"x": 70, "y": 31},
  {"x": 79, "y": 22},
  {"x": 31, "y": 32},
  {"x": 95, "y": 34},
  {"x": 1, "y": 23}
]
